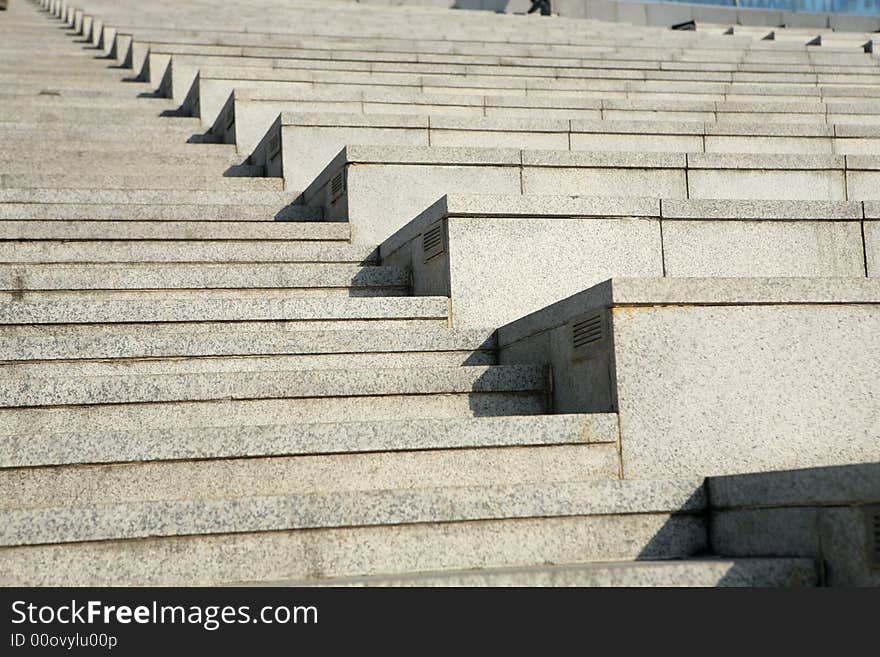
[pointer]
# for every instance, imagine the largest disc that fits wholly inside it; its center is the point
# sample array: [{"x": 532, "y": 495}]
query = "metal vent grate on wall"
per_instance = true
[
  {"x": 337, "y": 186},
  {"x": 433, "y": 241},
  {"x": 872, "y": 516},
  {"x": 589, "y": 334}
]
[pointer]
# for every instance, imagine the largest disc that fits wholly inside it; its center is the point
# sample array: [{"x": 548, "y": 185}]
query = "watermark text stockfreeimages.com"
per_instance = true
[{"x": 209, "y": 617}]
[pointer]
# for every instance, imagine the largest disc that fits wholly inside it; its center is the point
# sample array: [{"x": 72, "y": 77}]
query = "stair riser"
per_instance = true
[
  {"x": 102, "y": 196},
  {"x": 270, "y": 411},
  {"x": 200, "y": 294},
  {"x": 84, "y": 152},
  {"x": 175, "y": 232},
  {"x": 314, "y": 554},
  {"x": 98, "y": 134},
  {"x": 147, "y": 165},
  {"x": 22, "y": 279},
  {"x": 323, "y": 510},
  {"x": 231, "y": 309},
  {"x": 240, "y": 441},
  {"x": 136, "y": 182},
  {"x": 22, "y": 391},
  {"x": 189, "y": 365},
  {"x": 162, "y": 327},
  {"x": 190, "y": 251},
  {"x": 137, "y": 212},
  {"x": 158, "y": 342},
  {"x": 788, "y": 573},
  {"x": 94, "y": 485},
  {"x": 36, "y": 111}
]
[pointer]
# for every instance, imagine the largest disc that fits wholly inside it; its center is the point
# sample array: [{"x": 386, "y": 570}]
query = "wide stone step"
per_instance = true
[
  {"x": 155, "y": 212},
  {"x": 78, "y": 64},
  {"x": 249, "y": 113},
  {"x": 384, "y": 29},
  {"x": 101, "y": 196},
  {"x": 362, "y": 508},
  {"x": 96, "y": 76},
  {"x": 211, "y": 90},
  {"x": 20, "y": 278},
  {"x": 178, "y": 444},
  {"x": 388, "y": 54},
  {"x": 34, "y": 35},
  {"x": 125, "y": 344},
  {"x": 85, "y": 74},
  {"x": 247, "y": 116},
  {"x": 228, "y": 309},
  {"x": 38, "y": 111},
  {"x": 321, "y": 137},
  {"x": 84, "y": 485},
  {"x": 487, "y": 35},
  {"x": 308, "y": 141},
  {"x": 86, "y": 88},
  {"x": 197, "y": 294},
  {"x": 23, "y": 391},
  {"x": 175, "y": 231},
  {"x": 409, "y": 358},
  {"x": 408, "y": 62},
  {"x": 772, "y": 572},
  {"x": 356, "y": 551},
  {"x": 215, "y": 182},
  {"x": 235, "y": 414},
  {"x": 146, "y": 145},
  {"x": 185, "y": 65},
  {"x": 216, "y": 80},
  {"x": 61, "y": 103},
  {"x": 149, "y": 142},
  {"x": 214, "y": 83},
  {"x": 93, "y": 251},
  {"x": 365, "y": 174},
  {"x": 149, "y": 165},
  {"x": 162, "y": 131}
]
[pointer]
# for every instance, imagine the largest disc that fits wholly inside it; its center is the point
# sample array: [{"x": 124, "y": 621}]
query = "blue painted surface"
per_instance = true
[{"x": 863, "y": 7}]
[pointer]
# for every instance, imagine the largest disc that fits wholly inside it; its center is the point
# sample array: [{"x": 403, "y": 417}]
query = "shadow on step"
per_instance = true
[
  {"x": 243, "y": 170},
  {"x": 684, "y": 534},
  {"x": 817, "y": 525},
  {"x": 204, "y": 138},
  {"x": 180, "y": 112},
  {"x": 505, "y": 391}
]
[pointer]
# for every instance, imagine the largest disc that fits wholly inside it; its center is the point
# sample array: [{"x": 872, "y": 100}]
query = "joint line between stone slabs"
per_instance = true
[
  {"x": 687, "y": 187},
  {"x": 620, "y": 470},
  {"x": 662, "y": 243},
  {"x": 522, "y": 171}
]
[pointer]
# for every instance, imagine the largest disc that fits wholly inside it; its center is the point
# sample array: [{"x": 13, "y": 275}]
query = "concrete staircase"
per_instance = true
[{"x": 235, "y": 349}]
